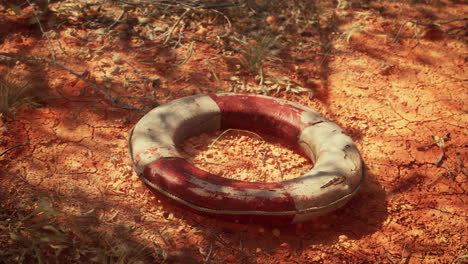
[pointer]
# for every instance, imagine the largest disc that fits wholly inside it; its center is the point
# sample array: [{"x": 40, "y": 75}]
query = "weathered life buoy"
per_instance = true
[{"x": 336, "y": 176}]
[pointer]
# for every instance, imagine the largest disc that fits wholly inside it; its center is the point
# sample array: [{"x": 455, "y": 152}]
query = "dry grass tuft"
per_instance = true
[
  {"x": 254, "y": 54},
  {"x": 15, "y": 93}
]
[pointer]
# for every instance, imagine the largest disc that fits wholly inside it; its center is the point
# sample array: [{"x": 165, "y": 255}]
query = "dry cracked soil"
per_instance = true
[{"x": 392, "y": 74}]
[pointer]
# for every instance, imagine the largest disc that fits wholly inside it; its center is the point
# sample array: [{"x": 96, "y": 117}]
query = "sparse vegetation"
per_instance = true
[
  {"x": 33, "y": 234},
  {"x": 253, "y": 54},
  {"x": 29, "y": 236},
  {"x": 15, "y": 93}
]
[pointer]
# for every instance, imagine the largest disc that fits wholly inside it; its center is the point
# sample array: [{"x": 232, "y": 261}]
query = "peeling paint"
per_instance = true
[{"x": 324, "y": 188}]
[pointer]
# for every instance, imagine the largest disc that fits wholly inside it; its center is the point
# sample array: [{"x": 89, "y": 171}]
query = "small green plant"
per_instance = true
[{"x": 14, "y": 93}]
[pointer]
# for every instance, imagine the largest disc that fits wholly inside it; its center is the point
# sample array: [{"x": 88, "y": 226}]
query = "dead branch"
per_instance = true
[
  {"x": 169, "y": 34},
  {"x": 228, "y": 22},
  {"x": 185, "y": 4},
  {"x": 110, "y": 98},
  {"x": 117, "y": 20},
  {"x": 438, "y": 24},
  {"x": 461, "y": 164},
  {"x": 217, "y": 237},
  {"x": 208, "y": 256},
  {"x": 11, "y": 148},
  {"x": 432, "y": 180},
  {"x": 52, "y": 49},
  {"x": 433, "y": 24}
]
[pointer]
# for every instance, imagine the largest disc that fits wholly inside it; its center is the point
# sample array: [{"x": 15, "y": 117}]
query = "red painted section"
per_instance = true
[
  {"x": 258, "y": 114},
  {"x": 174, "y": 174},
  {"x": 245, "y": 219}
]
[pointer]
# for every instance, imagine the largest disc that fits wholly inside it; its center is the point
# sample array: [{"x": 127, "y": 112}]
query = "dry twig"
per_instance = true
[
  {"x": 220, "y": 84},
  {"x": 208, "y": 256},
  {"x": 52, "y": 49},
  {"x": 229, "y": 130},
  {"x": 110, "y": 98},
  {"x": 401, "y": 256},
  {"x": 169, "y": 35},
  {"x": 433, "y": 24},
  {"x": 117, "y": 20},
  {"x": 11, "y": 148}
]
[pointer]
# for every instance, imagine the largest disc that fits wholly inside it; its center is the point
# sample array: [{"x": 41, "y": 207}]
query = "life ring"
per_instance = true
[{"x": 336, "y": 176}]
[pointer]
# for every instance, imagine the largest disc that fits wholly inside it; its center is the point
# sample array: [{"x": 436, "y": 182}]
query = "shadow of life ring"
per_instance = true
[{"x": 336, "y": 176}]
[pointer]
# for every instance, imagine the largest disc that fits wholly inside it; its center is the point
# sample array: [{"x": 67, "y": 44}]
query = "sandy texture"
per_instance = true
[
  {"x": 261, "y": 160},
  {"x": 391, "y": 93}
]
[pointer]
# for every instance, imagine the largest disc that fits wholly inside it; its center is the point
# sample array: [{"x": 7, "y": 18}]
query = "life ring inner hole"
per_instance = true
[{"x": 246, "y": 156}]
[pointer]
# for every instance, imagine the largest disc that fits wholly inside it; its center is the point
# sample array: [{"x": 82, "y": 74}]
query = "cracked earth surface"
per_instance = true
[{"x": 408, "y": 208}]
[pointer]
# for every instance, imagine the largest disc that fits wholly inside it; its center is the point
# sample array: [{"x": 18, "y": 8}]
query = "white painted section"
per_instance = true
[
  {"x": 337, "y": 171},
  {"x": 157, "y": 133},
  {"x": 207, "y": 189}
]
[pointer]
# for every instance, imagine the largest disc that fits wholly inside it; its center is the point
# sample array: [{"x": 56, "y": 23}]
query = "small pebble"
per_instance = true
[
  {"x": 316, "y": 258},
  {"x": 270, "y": 19}
]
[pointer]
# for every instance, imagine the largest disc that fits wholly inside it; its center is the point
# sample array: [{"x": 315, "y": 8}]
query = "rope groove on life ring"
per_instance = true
[{"x": 336, "y": 176}]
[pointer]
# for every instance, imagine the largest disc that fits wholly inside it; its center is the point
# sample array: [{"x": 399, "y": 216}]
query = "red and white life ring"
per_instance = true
[{"x": 336, "y": 176}]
